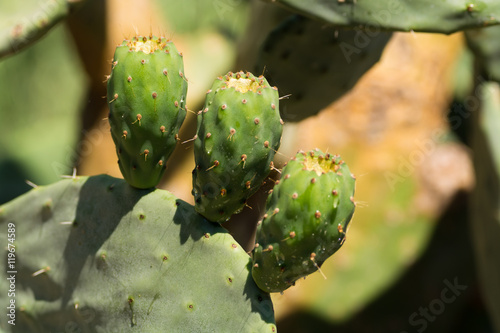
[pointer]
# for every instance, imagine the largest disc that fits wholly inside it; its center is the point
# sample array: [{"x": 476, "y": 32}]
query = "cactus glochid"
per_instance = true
[
  {"x": 239, "y": 131},
  {"x": 146, "y": 95},
  {"x": 306, "y": 220}
]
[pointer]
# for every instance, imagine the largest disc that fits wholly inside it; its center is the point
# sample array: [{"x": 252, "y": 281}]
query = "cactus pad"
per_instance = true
[
  {"x": 24, "y": 23},
  {"x": 97, "y": 255},
  {"x": 306, "y": 220},
  {"x": 146, "y": 95},
  {"x": 401, "y": 15},
  {"x": 239, "y": 131}
]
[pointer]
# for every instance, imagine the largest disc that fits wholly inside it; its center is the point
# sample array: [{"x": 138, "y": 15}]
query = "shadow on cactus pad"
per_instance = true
[{"x": 314, "y": 64}]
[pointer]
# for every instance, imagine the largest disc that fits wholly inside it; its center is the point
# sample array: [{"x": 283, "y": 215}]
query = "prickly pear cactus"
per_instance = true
[
  {"x": 96, "y": 255},
  {"x": 316, "y": 64},
  {"x": 239, "y": 131},
  {"x": 146, "y": 95},
  {"x": 306, "y": 220}
]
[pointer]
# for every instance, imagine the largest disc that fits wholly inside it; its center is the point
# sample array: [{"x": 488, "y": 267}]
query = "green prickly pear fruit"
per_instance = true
[
  {"x": 239, "y": 131},
  {"x": 306, "y": 220},
  {"x": 146, "y": 95}
]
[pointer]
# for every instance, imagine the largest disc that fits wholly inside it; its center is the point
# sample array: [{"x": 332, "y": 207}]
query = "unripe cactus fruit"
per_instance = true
[
  {"x": 306, "y": 220},
  {"x": 239, "y": 131},
  {"x": 146, "y": 95}
]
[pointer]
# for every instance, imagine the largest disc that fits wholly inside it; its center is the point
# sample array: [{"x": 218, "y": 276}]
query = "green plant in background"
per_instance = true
[{"x": 105, "y": 233}]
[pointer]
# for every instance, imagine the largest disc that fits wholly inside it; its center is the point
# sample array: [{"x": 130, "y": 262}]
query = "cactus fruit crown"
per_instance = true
[
  {"x": 320, "y": 164},
  {"x": 146, "y": 45},
  {"x": 244, "y": 84}
]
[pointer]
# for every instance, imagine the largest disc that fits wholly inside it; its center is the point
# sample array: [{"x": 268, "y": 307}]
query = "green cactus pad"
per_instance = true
[
  {"x": 96, "y": 255},
  {"x": 401, "y": 15},
  {"x": 239, "y": 131},
  {"x": 146, "y": 95},
  {"x": 316, "y": 64},
  {"x": 306, "y": 220}
]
